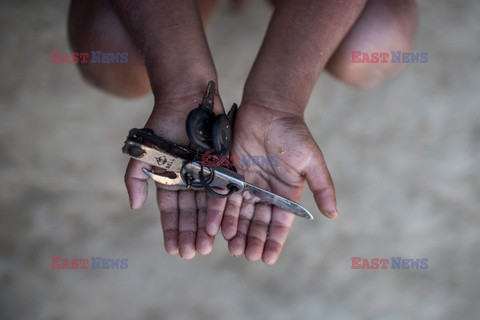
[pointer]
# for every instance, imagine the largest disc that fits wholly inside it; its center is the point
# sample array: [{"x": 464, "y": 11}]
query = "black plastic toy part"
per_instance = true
[
  {"x": 207, "y": 132},
  {"x": 199, "y": 127}
]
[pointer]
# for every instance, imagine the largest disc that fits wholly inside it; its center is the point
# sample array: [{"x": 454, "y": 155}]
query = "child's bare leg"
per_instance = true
[
  {"x": 95, "y": 26},
  {"x": 383, "y": 26}
]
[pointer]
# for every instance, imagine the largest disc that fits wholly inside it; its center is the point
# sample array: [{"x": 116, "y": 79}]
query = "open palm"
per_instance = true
[
  {"x": 253, "y": 227},
  {"x": 183, "y": 213}
]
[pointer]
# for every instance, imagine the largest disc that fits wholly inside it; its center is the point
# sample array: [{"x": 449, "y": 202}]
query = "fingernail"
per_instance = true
[
  {"x": 204, "y": 248},
  {"x": 171, "y": 247},
  {"x": 211, "y": 229},
  {"x": 187, "y": 253},
  {"x": 269, "y": 259},
  {"x": 330, "y": 214}
]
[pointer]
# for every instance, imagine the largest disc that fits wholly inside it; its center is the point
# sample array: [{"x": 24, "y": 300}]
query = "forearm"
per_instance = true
[
  {"x": 300, "y": 39},
  {"x": 173, "y": 44}
]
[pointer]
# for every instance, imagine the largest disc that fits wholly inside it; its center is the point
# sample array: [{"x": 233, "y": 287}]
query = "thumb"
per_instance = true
[
  {"x": 136, "y": 183},
  {"x": 320, "y": 182}
]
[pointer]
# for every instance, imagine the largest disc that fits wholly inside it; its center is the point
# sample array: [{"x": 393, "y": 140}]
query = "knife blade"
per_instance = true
[{"x": 278, "y": 201}]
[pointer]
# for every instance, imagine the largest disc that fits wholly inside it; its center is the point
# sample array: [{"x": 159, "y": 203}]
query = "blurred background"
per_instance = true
[{"x": 405, "y": 158}]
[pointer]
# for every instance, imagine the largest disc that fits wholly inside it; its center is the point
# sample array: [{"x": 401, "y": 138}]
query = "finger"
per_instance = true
[
  {"x": 168, "y": 205},
  {"x": 230, "y": 216},
  {"x": 257, "y": 233},
  {"x": 187, "y": 224},
  {"x": 277, "y": 234},
  {"x": 204, "y": 242},
  {"x": 215, "y": 208},
  {"x": 136, "y": 183},
  {"x": 236, "y": 246},
  {"x": 321, "y": 184}
]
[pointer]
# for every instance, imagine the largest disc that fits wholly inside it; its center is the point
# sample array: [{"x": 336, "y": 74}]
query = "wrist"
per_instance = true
[
  {"x": 180, "y": 80},
  {"x": 181, "y": 98},
  {"x": 274, "y": 101}
]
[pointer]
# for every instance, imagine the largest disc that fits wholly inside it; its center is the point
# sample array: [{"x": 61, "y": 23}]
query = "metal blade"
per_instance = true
[{"x": 278, "y": 201}]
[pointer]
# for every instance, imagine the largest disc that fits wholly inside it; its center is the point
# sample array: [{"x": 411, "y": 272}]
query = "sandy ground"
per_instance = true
[{"x": 405, "y": 158}]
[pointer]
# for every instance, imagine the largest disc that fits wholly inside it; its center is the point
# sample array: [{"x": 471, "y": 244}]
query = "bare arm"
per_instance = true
[
  {"x": 172, "y": 41},
  {"x": 171, "y": 37},
  {"x": 301, "y": 37}
]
